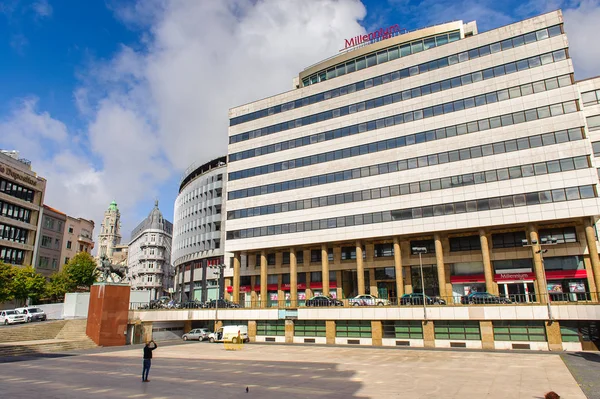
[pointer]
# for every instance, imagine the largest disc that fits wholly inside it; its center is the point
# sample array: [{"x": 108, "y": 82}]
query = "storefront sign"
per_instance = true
[
  {"x": 17, "y": 176},
  {"x": 576, "y": 287},
  {"x": 470, "y": 278},
  {"x": 515, "y": 276},
  {"x": 372, "y": 37}
]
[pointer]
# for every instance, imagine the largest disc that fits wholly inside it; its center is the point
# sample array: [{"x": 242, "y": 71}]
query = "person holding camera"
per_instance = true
[{"x": 148, "y": 359}]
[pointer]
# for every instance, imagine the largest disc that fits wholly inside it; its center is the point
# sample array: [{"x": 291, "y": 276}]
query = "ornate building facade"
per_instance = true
[{"x": 110, "y": 231}]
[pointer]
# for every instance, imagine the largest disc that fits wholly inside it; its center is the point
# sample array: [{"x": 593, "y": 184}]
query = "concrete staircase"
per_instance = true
[{"x": 45, "y": 337}]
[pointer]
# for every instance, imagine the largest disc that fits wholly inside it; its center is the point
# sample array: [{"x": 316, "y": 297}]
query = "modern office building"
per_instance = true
[
  {"x": 21, "y": 201},
  {"x": 199, "y": 235},
  {"x": 444, "y": 145},
  {"x": 149, "y": 255},
  {"x": 50, "y": 241},
  {"x": 78, "y": 237}
]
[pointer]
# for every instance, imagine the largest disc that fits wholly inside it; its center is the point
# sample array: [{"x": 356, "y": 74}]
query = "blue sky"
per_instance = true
[{"x": 114, "y": 99}]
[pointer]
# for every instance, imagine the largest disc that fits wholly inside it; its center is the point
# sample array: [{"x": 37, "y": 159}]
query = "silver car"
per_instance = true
[
  {"x": 368, "y": 300},
  {"x": 32, "y": 314},
  {"x": 11, "y": 317},
  {"x": 197, "y": 333}
]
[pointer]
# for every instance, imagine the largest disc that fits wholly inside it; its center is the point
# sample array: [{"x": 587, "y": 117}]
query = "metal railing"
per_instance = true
[{"x": 405, "y": 301}]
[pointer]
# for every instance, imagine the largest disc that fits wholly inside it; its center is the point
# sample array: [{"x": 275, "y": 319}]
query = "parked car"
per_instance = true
[
  {"x": 222, "y": 304},
  {"x": 32, "y": 314},
  {"x": 234, "y": 334},
  {"x": 368, "y": 300},
  {"x": 197, "y": 333},
  {"x": 12, "y": 317},
  {"x": 417, "y": 299},
  {"x": 192, "y": 305},
  {"x": 483, "y": 297},
  {"x": 321, "y": 300}
]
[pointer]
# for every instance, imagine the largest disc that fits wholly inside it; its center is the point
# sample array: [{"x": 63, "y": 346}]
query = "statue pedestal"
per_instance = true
[{"x": 108, "y": 313}]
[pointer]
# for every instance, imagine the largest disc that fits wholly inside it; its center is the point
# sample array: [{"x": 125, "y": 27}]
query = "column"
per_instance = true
[
  {"x": 441, "y": 269},
  {"x": 204, "y": 294},
  {"x": 236, "y": 277},
  {"x": 338, "y": 281},
  {"x": 187, "y": 326},
  {"x": 398, "y": 268},
  {"x": 227, "y": 283},
  {"x": 280, "y": 292},
  {"x": 263, "y": 279},
  {"x": 289, "y": 331},
  {"x": 590, "y": 238},
  {"x": 487, "y": 334},
  {"x": 330, "y": 332},
  {"x": 490, "y": 284},
  {"x": 325, "y": 269},
  {"x": 372, "y": 282},
  {"x": 253, "y": 298},
  {"x": 192, "y": 296},
  {"x": 293, "y": 279},
  {"x": 308, "y": 291},
  {"x": 428, "y": 334},
  {"x": 252, "y": 330},
  {"x": 146, "y": 331},
  {"x": 376, "y": 333},
  {"x": 408, "y": 288},
  {"x": 554, "y": 336},
  {"x": 538, "y": 267},
  {"x": 360, "y": 269}
]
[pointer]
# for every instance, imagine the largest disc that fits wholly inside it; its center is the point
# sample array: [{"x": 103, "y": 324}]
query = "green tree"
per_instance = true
[
  {"x": 7, "y": 273},
  {"x": 60, "y": 283},
  {"x": 27, "y": 283},
  {"x": 82, "y": 271}
]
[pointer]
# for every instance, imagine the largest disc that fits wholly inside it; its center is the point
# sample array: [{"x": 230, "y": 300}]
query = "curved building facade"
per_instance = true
[{"x": 198, "y": 233}]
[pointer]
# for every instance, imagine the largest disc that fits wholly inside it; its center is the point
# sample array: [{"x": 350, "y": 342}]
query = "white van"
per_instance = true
[{"x": 233, "y": 334}]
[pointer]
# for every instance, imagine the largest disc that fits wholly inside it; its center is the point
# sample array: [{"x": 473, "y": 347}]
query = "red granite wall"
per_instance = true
[{"x": 108, "y": 314}]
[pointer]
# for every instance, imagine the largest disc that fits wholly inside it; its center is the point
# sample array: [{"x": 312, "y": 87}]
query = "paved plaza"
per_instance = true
[{"x": 290, "y": 371}]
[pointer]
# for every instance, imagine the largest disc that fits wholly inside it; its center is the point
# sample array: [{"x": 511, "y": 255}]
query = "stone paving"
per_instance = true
[{"x": 290, "y": 371}]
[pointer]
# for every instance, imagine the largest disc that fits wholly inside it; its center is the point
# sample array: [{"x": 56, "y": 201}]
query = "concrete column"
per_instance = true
[
  {"x": 253, "y": 296},
  {"x": 280, "y": 292},
  {"x": 227, "y": 283},
  {"x": 146, "y": 331},
  {"x": 372, "y": 282},
  {"x": 370, "y": 253},
  {"x": 408, "y": 288},
  {"x": 263, "y": 279},
  {"x": 325, "y": 269},
  {"x": 590, "y": 278},
  {"x": 338, "y": 281},
  {"x": 554, "y": 336},
  {"x": 428, "y": 334},
  {"x": 590, "y": 238},
  {"x": 490, "y": 284},
  {"x": 252, "y": 330},
  {"x": 289, "y": 331},
  {"x": 486, "y": 329},
  {"x": 187, "y": 326},
  {"x": 538, "y": 267},
  {"x": 236, "y": 277},
  {"x": 398, "y": 268},
  {"x": 330, "y": 331},
  {"x": 218, "y": 324},
  {"x": 376, "y": 332},
  {"x": 360, "y": 269},
  {"x": 308, "y": 291},
  {"x": 293, "y": 279},
  {"x": 441, "y": 269}
]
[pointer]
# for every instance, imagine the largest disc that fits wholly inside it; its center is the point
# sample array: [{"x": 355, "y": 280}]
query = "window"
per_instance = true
[
  {"x": 46, "y": 242},
  {"x": 270, "y": 327},
  {"x": 49, "y": 223},
  {"x": 593, "y": 122},
  {"x": 271, "y": 259},
  {"x": 428, "y": 244},
  {"x": 590, "y": 97},
  {"x": 299, "y": 257},
  {"x": 563, "y": 263},
  {"x": 469, "y": 243},
  {"x": 316, "y": 277},
  {"x": 524, "y": 265},
  {"x": 353, "y": 328},
  {"x": 286, "y": 258},
  {"x": 315, "y": 255},
  {"x": 563, "y": 235},
  {"x": 463, "y": 330},
  {"x": 385, "y": 273},
  {"x": 513, "y": 330},
  {"x": 67, "y": 259},
  {"x": 309, "y": 328},
  {"x": 71, "y": 229},
  {"x": 402, "y": 329},
  {"x": 508, "y": 240},
  {"x": 596, "y": 147},
  {"x": 43, "y": 262},
  {"x": 383, "y": 250},
  {"x": 69, "y": 244}
]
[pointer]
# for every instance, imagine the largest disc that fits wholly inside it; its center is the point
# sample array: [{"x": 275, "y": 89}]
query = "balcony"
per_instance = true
[
  {"x": 158, "y": 243},
  {"x": 154, "y": 257},
  {"x": 86, "y": 240},
  {"x": 146, "y": 270}
]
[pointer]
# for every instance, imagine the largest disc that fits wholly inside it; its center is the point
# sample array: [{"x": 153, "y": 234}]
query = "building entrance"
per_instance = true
[
  {"x": 521, "y": 291},
  {"x": 386, "y": 289}
]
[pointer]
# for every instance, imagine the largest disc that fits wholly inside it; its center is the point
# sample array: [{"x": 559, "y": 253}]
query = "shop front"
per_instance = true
[
  {"x": 273, "y": 299},
  {"x": 466, "y": 278}
]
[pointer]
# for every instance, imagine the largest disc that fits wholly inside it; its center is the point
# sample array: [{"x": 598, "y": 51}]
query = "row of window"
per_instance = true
[
  {"x": 467, "y": 179},
  {"x": 15, "y": 212},
  {"x": 14, "y": 234},
  {"x": 389, "y": 54},
  {"x": 353, "y": 328},
  {"x": 47, "y": 243},
  {"x": 423, "y": 113},
  {"x": 438, "y": 134},
  {"x": 46, "y": 263},
  {"x": 593, "y": 122},
  {"x": 16, "y": 190},
  {"x": 590, "y": 97},
  {"x": 517, "y": 330},
  {"x": 396, "y": 75},
  {"x": 201, "y": 210},
  {"x": 12, "y": 255},
  {"x": 431, "y": 88},
  {"x": 53, "y": 224},
  {"x": 485, "y": 204}
]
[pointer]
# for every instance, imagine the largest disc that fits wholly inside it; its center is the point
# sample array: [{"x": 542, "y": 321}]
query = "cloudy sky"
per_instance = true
[{"x": 113, "y": 99}]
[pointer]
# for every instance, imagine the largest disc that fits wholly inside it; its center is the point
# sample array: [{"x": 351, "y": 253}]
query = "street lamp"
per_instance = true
[
  {"x": 543, "y": 242},
  {"x": 420, "y": 251},
  {"x": 218, "y": 270}
]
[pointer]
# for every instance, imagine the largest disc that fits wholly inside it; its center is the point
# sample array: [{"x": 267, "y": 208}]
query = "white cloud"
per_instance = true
[
  {"x": 42, "y": 9},
  {"x": 581, "y": 26}
]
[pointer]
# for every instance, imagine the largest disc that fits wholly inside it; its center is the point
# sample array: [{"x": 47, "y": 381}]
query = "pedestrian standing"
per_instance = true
[{"x": 148, "y": 359}]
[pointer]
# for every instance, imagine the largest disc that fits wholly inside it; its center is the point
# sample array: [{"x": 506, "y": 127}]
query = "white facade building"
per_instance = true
[
  {"x": 149, "y": 255},
  {"x": 198, "y": 234},
  {"x": 460, "y": 142}
]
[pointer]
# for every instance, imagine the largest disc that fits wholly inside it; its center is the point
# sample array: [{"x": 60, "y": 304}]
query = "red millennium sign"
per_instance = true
[{"x": 372, "y": 37}]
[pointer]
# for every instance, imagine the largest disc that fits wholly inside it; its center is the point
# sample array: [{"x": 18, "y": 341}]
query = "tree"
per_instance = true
[
  {"x": 27, "y": 283},
  {"x": 60, "y": 283},
  {"x": 7, "y": 273},
  {"x": 81, "y": 270}
]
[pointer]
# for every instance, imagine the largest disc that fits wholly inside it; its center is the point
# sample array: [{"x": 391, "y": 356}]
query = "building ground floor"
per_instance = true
[
  {"x": 199, "y": 280},
  {"x": 553, "y": 261}
]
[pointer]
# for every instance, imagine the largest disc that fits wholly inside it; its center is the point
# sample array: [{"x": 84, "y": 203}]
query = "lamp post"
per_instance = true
[
  {"x": 218, "y": 270},
  {"x": 420, "y": 251},
  {"x": 543, "y": 242}
]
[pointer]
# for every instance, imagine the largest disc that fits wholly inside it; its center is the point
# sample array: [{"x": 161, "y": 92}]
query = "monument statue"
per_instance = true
[{"x": 110, "y": 273}]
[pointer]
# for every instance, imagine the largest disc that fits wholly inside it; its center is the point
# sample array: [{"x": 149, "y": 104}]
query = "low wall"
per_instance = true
[
  {"x": 54, "y": 311},
  {"x": 76, "y": 305}
]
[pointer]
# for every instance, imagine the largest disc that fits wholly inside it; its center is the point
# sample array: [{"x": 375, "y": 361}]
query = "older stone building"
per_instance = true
[{"x": 78, "y": 237}]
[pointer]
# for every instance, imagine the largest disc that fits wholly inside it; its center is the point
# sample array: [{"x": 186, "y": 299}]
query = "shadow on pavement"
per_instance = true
[{"x": 590, "y": 357}]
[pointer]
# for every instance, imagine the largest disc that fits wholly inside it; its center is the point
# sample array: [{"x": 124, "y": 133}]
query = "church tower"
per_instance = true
[{"x": 110, "y": 235}]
